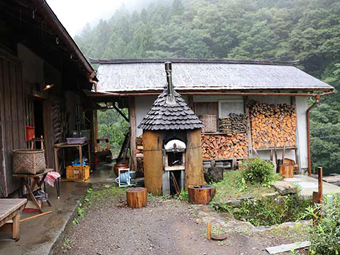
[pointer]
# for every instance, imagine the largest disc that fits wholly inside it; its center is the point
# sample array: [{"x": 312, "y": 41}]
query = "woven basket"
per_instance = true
[
  {"x": 210, "y": 123},
  {"x": 28, "y": 161}
]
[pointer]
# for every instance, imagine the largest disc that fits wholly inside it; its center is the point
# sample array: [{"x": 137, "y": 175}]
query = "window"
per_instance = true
[{"x": 230, "y": 106}]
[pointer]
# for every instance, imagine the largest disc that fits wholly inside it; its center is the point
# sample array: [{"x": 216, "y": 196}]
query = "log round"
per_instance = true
[
  {"x": 287, "y": 171},
  {"x": 136, "y": 197},
  {"x": 201, "y": 194}
]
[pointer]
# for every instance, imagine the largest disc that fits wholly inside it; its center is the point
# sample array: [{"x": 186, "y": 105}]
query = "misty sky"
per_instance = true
[{"x": 74, "y": 14}]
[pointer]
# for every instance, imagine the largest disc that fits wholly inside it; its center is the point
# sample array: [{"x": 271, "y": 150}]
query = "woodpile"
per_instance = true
[
  {"x": 224, "y": 146},
  {"x": 225, "y": 125},
  {"x": 234, "y": 123},
  {"x": 140, "y": 156},
  {"x": 272, "y": 125},
  {"x": 239, "y": 123}
]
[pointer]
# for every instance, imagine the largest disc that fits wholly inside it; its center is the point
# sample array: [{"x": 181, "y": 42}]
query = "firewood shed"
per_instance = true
[{"x": 248, "y": 107}]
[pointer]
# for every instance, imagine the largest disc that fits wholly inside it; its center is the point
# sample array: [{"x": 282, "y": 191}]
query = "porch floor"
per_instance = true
[
  {"x": 38, "y": 235},
  {"x": 309, "y": 185}
]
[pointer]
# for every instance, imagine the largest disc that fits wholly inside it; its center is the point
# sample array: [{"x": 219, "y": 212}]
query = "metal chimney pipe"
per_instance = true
[{"x": 168, "y": 70}]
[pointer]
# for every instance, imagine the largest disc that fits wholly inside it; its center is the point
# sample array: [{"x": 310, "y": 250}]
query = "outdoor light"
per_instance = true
[{"x": 48, "y": 86}]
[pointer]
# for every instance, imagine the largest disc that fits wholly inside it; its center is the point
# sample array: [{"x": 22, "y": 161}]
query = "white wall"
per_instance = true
[
  {"x": 144, "y": 104},
  {"x": 301, "y": 108}
]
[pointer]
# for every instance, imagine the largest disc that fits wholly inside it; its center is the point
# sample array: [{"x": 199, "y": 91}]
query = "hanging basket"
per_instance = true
[{"x": 28, "y": 161}]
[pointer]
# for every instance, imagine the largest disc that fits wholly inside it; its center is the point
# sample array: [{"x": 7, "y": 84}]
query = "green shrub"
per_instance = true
[
  {"x": 325, "y": 236},
  {"x": 272, "y": 210},
  {"x": 258, "y": 171}
]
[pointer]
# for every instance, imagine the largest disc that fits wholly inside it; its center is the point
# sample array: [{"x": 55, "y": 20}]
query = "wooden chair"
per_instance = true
[{"x": 34, "y": 141}]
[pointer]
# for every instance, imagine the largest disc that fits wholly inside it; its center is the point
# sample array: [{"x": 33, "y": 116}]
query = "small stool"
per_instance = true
[{"x": 136, "y": 197}]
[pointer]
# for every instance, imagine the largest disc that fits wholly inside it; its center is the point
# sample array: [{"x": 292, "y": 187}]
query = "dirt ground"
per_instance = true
[{"x": 163, "y": 227}]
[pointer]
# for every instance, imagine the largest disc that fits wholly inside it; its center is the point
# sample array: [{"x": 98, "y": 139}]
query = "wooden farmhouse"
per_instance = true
[
  {"x": 248, "y": 108},
  {"x": 42, "y": 77}
]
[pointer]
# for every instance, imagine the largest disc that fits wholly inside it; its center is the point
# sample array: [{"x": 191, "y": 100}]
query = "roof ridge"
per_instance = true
[{"x": 192, "y": 61}]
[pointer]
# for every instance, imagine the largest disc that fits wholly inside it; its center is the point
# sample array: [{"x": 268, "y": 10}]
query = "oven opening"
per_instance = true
[{"x": 175, "y": 158}]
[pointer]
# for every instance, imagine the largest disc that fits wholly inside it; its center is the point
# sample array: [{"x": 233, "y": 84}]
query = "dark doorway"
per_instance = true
[{"x": 38, "y": 120}]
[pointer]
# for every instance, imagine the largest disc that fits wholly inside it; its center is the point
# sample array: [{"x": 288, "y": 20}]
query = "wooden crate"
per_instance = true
[{"x": 74, "y": 172}]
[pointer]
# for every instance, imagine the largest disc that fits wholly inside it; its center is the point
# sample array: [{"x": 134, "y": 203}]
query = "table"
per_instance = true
[
  {"x": 10, "y": 210},
  {"x": 59, "y": 146},
  {"x": 36, "y": 182}
]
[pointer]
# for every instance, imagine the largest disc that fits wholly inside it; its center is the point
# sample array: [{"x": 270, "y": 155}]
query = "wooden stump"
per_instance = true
[
  {"x": 201, "y": 194},
  {"x": 136, "y": 197},
  {"x": 287, "y": 171}
]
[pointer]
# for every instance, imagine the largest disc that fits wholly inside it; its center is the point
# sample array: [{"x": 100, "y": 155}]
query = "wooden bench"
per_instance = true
[{"x": 10, "y": 210}]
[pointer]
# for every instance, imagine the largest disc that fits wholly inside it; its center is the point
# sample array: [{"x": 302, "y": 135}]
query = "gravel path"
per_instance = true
[{"x": 163, "y": 227}]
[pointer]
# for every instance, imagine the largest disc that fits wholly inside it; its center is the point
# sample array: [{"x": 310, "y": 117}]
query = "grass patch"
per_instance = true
[{"x": 233, "y": 186}]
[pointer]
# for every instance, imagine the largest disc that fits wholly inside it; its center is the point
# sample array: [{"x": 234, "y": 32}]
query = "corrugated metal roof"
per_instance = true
[
  {"x": 133, "y": 76},
  {"x": 165, "y": 116}
]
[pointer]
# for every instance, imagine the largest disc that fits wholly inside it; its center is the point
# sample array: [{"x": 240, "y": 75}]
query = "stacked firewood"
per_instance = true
[
  {"x": 139, "y": 154},
  {"x": 224, "y": 146},
  {"x": 272, "y": 125},
  {"x": 239, "y": 123},
  {"x": 234, "y": 123},
  {"x": 225, "y": 125}
]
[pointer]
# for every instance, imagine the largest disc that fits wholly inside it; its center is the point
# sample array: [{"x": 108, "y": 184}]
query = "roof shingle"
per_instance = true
[{"x": 165, "y": 116}]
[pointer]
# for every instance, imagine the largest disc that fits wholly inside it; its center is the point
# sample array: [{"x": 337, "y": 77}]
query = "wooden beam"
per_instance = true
[
  {"x": 133, "y": 130},
  {"x": 205, "y": 93},
  {"x": 191, "y": 102},
  {"x": 120, "y": 112}
]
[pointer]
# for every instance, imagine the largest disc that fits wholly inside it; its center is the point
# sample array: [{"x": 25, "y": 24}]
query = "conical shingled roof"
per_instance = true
[{"x": 170, "y": 116}]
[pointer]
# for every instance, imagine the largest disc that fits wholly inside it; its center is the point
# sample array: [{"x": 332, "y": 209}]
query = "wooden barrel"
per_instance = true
[
  {"x": 201, "y": 194},
  {"x": 136, "y": 197},
  {"x": 120, "y": 165},
  {"x": 287, "y": 171}
]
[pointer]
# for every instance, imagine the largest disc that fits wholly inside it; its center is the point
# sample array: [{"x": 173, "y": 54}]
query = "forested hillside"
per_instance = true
[{"x": 305, "y": 30}]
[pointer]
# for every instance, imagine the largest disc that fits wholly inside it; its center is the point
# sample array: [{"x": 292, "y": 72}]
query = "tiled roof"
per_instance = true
[{"x": 166, "y": 116}]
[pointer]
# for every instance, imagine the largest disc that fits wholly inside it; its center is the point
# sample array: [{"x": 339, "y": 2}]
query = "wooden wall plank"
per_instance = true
[
  {"x": 14, "y": 107},
  {"x": 3, "y": 187},
  {"x": 8, "y": 143},
  {"x": 21, "y": 106},
  {"x": 12, "y": 119}
]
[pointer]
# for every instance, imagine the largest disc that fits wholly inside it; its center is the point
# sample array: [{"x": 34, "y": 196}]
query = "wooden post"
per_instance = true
[
  {"x": 133, "y": 129},
  {"x": 191, "y": 102},
  {"x": 16, "y": 227},
  {"x": 320, "y": 175},
  {"x": 153, "y": 161},
  {"x": 193, "y": 162},
  {"x": 95, "y": 125},
  {"x": 136, "y": 197},
  {"x": 246, "y": 107},
  {"x": 209, "y": 230}
]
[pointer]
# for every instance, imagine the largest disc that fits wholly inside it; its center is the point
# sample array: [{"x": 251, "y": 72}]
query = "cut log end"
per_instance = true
[
  {"x": 201, "y": 194},
  {"x": 136, "y": 197}
]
